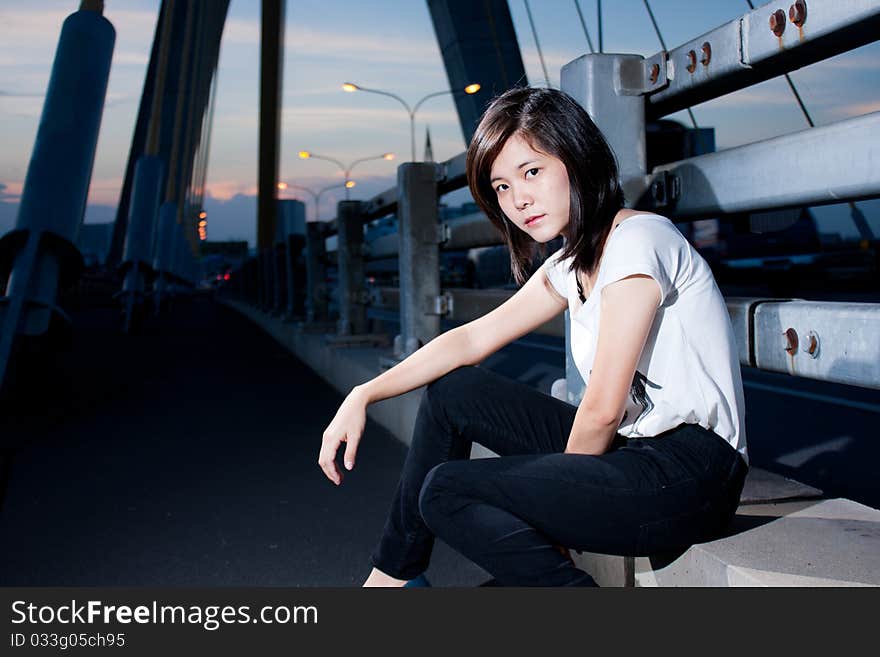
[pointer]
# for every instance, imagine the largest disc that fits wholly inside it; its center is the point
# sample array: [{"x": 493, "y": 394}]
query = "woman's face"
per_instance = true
[{"x": 532, "y": 189}]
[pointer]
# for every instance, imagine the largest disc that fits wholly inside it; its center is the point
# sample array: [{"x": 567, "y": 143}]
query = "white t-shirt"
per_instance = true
[{"x": 689, "y": 370}]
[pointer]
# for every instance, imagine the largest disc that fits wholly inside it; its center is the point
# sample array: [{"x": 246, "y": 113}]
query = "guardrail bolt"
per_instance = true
[
  {"x": 658, "y": 192},
  {"x": 655, "y": 73},
  {"x": 777, "y": 22},
  {"x": 692, "y": 61},
  {"x": 707, "y": 54},
  {"x": 797, "y": 13},
  {"x": 811, "y": 345},
  {"x": 791, "y": 340}
]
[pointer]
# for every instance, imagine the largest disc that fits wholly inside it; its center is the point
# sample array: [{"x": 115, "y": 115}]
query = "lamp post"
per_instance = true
[
  {"x": 470, "y": 89},
  {"x": 349, "y": 183},
  {"x": 316, "y": 196}
]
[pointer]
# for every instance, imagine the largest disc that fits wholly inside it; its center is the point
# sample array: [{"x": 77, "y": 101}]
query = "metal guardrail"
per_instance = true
[
  {"x": 462, "y": 305},
  {"x": 749, "y": 178},
  {"x": 819, "y": 340},
  {"x": 466, "y": 232},
  {"x": 825, "y": 340},
  {"x": 822, "y": 340},
  {"x": 747, "y": 50}
]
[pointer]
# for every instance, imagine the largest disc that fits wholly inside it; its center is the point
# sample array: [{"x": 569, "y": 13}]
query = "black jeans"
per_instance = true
[{"x": 508, "y": 514}]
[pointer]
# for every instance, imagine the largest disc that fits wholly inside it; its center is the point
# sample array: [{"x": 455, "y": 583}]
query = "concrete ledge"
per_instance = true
[
  {"x": 832, "y": 542},
  {"x": 792, "y": 542},
  {"x": 781, "y": 536},
  {"x": 761, "y": 488}
]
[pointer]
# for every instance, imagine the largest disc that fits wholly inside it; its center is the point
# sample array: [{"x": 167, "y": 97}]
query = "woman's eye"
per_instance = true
[
  {"x": 500, "y": 187},
  {"x": 533, "y": 171}
]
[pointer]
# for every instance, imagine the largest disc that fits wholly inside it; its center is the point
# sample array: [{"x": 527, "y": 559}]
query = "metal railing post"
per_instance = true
[
  {"x": 350, "y": 262},
  {"x": 598, "y": 82},
  {"x": 264, "y": 273},
  {"x": 608, "y": 87},
  {"x": 419, "y": 259},
  {"x": 316, "y": 294},
  {"x": 279, "y": 276},
  {"x": 292, "y": 215}
]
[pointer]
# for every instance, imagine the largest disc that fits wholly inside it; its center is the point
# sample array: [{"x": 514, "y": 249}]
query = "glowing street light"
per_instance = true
[
  {"x": 306, "y": 155},
  {"x": 470, "y": 89}
]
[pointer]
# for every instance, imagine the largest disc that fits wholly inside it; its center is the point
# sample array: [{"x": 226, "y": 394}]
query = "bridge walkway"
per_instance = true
[{"x": 187, "y": 456}]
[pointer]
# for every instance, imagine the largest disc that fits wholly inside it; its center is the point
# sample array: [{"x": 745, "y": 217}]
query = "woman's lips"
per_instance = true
[{"x": 534, "y": 220}]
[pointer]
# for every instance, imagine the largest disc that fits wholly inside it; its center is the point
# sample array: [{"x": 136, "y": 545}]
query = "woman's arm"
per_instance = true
[
  {"x": 441, "y": 355},
  {"x": 533, "y": 305},
  {"x": 628, "y": 308}
]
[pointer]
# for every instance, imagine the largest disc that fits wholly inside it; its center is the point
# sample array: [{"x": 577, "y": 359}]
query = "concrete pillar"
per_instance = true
[
  {"x": 350, "y": 260},
  {"x": 419, "y": 259}
]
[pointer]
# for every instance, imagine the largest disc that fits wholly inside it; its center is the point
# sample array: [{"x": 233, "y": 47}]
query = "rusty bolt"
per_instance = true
[
  {"x": 692, "y": 61},
  {"x": 655, "y": 73},
  {"x": 791, "y": 339},
  {"x": 811, "y": 345},
  {"x": 777, "y": 22},
  {"x": 707, "y": 54},
  {"x": 797, "y": 13}
]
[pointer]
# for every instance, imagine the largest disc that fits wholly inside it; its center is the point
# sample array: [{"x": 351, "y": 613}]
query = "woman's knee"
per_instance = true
[{"x": 439, "y": 485}]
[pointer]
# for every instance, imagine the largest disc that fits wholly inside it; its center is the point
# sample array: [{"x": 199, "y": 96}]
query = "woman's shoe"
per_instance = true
[{"x": 421, "y": 580}]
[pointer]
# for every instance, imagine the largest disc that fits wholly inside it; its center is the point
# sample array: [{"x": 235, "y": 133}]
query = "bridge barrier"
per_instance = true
[{"x": 818, "y": 339}]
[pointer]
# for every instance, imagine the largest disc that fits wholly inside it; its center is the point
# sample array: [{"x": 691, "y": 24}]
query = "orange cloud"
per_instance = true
[{"x": 223, "y": 190}]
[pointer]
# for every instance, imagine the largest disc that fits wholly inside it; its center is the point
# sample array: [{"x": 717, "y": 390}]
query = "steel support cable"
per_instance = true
[
  {"x": 599, "y": 16},
  {"x": 577, "y": 5},
  {"x": 207, "y": 142},
  {"x": 197, "y": 122},
  {"x": 209, "y": 51},
  {"x": 537, "y": 43},
  {"x": 195, "y": 80},
  {"x": 208, "y": 118},
  {"x": 177, "y": 137},
  {"x": 155, "y": 128},
  {"x": 665, "y": 49}
]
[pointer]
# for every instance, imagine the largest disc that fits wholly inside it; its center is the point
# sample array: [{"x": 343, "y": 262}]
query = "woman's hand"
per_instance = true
[{"x": 347, "y": 427}]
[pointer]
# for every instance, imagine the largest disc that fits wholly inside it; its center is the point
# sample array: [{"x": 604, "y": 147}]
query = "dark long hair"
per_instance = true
[{"x": 552, "y": 122}]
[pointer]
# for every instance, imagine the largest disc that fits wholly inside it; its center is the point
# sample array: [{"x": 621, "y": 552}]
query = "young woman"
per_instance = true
[{"x": 653, "y": 458}]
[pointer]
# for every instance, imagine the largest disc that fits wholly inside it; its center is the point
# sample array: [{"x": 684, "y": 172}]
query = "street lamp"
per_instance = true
[
  {"x": 470, "y": 89},
  {"x": 347, "y": 170},
  {"x": 316, "y": 196}
]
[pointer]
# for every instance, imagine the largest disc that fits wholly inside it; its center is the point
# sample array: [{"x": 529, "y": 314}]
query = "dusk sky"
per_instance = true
[{"x": 383, "y": 44}]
